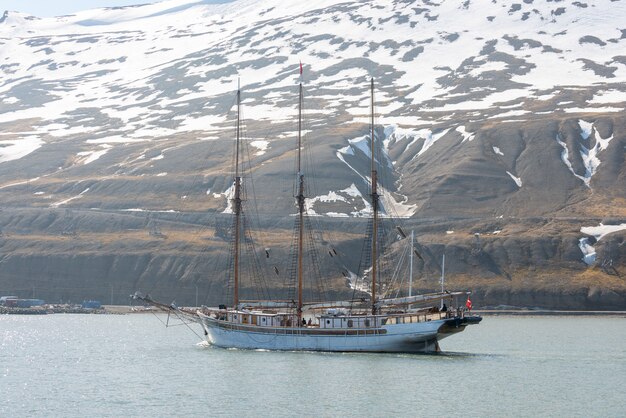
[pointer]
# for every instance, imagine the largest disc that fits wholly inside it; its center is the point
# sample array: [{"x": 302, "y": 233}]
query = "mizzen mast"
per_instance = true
[
  {"x": 300, "y": 201},
  {"x": 237, "y": 205},
  {"x": 375, "y": 197}
]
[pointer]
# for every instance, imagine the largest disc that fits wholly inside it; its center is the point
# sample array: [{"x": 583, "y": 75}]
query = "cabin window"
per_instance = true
[
  {"x": 263, "y": 319},
  {"x": 384, "y": 321},
  {"x": 350, "y": 323},
  {"x": 235, "y": 316},
  {"x": 367, "y": 322},
  {"x": 328, "y": 322}
]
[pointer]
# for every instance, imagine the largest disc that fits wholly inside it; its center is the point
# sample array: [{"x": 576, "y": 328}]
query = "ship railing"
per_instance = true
[
  {"x": 291, "y": 321},
  {"x": 421, "y": 316}
]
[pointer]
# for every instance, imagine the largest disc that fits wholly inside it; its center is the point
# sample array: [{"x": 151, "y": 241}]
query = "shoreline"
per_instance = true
[
  {"x": 123, "y": 309},
  {"x": 545, "y": 312},
  {"x": 128, "y": 309}
]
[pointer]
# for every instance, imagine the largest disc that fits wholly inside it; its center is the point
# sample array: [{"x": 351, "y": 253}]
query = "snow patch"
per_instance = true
[
  {"x": 229, "y": 194},
  {"x": 398, "y": 208},
  {"x": 589, "y": 252},
  {"x": 565, "y": 157},
  {"x": 359, "y": 283},
  {"x": 63, "y": 202},
  {"x": 602, "y": 230},
  {"x": 608, "y": 96},
  {"x": 395, "y": 208},
  {"x": 261, "y": 145},
  {"x": 598, "y": 232},
  {"x": 430, "y": 140},
  {"x": 585, "y": 128},
  {"x": 352, "y": 192},
  {"x": 467, "y": 136},
  {"x": 14, "y": 149},
  {"x": 337, "y": 215},
  {"x": 19, "y": 183},
  {"x": 517, "y": 180},
  {"x": 92, "y": 156},
  {"x": 606, "y": 109},
  {"x": 148, "y": 210},
  {"x": 590, "y": 157},
  {"x": 117, "y": 139}
]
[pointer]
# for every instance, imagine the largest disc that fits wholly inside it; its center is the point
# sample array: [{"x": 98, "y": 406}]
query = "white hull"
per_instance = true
[{"x": 419, "y": 337}]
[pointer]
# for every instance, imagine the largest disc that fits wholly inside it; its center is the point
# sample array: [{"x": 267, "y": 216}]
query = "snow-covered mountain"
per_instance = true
[
  {"x": 101, "y": 80},
  {"x": 488, "y": 109}
]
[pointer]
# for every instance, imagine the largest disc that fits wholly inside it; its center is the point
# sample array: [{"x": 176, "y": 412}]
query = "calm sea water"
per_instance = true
[{"x": 131, "y": 365}]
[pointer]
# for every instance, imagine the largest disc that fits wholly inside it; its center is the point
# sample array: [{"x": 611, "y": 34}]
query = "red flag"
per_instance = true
[
  {"x": 468, "y": 304},
  {"x": 300, "y": 67}
]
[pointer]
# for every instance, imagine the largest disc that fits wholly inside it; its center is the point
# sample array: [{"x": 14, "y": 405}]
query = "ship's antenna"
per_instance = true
[{"x": 443, "y": 274}]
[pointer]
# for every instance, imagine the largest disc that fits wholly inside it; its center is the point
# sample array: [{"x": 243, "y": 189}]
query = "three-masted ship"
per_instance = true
[{"x": 371, "y": 324}]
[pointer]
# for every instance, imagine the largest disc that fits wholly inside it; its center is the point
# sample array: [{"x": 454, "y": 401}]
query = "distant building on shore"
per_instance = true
[
  {"x": 14, "y": 302},
  {"x": 91, "y": 304},
  {"x": 3, "y": 299}
]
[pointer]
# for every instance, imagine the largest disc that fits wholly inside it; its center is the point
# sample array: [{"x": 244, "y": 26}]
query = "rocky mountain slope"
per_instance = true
[{"x": 502, "y": 125}]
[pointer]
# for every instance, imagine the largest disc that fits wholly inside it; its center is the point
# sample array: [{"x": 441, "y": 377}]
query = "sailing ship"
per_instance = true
[{"x": 370, "y": 324}]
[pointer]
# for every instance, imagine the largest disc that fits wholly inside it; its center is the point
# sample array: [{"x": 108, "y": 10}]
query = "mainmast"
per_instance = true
[
  {"x": 374, "y": 195},
  {"x": 237, "y": 204},
  {"x": 300, "y": 202}
]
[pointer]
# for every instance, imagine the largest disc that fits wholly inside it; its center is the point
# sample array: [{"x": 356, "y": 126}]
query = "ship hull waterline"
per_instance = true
[{"x": 422, "y": 337}]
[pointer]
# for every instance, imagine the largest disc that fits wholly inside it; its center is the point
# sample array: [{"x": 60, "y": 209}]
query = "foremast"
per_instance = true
[
  {"x": 237, "y": 205},
  {"x": 375, "y": 200},
  {"x": 300, "y": 198}
]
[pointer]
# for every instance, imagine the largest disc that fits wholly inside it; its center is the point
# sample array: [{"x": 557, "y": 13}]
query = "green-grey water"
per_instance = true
[{"x": 131, "y": 365}]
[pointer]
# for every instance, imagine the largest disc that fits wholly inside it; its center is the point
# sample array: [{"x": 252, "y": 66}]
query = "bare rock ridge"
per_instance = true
[{"x": 502, "y": 132}]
